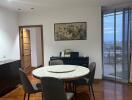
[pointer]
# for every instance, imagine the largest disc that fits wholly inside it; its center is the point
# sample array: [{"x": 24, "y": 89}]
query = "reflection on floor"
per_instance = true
[
  {"x": 109, "y": 71},
  {"x": 104, "y": 90}
]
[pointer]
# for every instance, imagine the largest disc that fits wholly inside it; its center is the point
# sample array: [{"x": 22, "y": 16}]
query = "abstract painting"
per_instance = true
[{"x": 70, "y": 31}]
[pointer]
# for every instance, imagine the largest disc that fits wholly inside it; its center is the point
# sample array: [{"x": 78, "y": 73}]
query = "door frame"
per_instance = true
[
  {"x": 115, "y": 68},
  {"x": 42, "y": 44}
]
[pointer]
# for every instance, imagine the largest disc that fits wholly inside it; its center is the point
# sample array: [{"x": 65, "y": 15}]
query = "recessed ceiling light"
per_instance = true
[
  {"x": 19, "y": 9},
  {"x": 32, "y": 8},
  {"x": 10, "y": 0}
]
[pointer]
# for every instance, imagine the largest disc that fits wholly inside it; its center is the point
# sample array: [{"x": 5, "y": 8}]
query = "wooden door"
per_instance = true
[{"x": 25, "y": 50}]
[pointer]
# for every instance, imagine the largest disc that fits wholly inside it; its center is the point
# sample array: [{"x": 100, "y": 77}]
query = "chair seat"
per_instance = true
[
  {"x": 69, "y": 95},
  {"x": 37, "y": 87},
  {"x": 82, "y": 81},
  {"x": 86, "y": 79}
]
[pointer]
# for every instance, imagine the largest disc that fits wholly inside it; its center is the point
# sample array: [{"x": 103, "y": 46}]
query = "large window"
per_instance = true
[{"x": 115, "y": 46}]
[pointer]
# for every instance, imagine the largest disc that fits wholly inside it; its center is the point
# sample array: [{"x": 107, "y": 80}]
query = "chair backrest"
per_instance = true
[
  {"x": 53, "y": 89},
  {"x": 55, "y": 62},
  {"x": 27, "y": 86},
  {"x": 92, "y": 68}
]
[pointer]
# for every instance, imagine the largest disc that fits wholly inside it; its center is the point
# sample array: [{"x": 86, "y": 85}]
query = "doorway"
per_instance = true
[
  {"x": 31, "y": 47},
  {"x": 116, "y": 45}
]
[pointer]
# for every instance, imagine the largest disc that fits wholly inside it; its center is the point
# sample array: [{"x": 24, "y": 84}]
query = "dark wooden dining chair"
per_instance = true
[
  {"x": 89, "y": 79},
  {"x": 27, "y": 86},
  {"x": 54, "y": 89},
  {"x": 56, "y": 62}
]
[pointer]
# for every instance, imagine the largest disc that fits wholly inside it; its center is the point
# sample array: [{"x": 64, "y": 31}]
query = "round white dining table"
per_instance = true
[{"x": 65, "y": 72}]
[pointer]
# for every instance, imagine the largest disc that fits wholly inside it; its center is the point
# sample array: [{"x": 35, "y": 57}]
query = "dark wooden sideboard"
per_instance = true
[
  {"x": 82, "y": 61},
  {"x": 9, "y": 76}
]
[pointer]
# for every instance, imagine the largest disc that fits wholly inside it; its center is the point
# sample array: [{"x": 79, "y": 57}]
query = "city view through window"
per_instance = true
[{"x": 113, "y": 46}]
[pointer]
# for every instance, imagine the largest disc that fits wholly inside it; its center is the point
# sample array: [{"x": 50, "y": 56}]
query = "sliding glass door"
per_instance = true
[
  {"x": 108, "y": 45},
  {"x": 115, "y": 45},
  {"x": 131, "y": 46}
]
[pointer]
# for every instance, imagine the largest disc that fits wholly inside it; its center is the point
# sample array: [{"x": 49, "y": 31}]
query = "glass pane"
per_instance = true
[
  {"x": 115, "y": 45},
  {"x": 125, "y": 46},
  {"x": 131, "y": 28},
  {"x": 108, "y": 45},
  {"x": 131, "y": 46},
  {"x": 119, "y": 45}
]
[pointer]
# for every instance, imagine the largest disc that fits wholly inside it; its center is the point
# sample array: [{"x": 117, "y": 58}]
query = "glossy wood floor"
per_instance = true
[{"x": 104, "y": 90}]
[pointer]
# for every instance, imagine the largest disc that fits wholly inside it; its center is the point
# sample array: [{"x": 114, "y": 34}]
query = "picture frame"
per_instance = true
[{"x": 70, "y": 31}]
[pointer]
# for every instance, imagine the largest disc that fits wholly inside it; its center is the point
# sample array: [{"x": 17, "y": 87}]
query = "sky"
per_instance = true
[{"x": 109, "y": 27}]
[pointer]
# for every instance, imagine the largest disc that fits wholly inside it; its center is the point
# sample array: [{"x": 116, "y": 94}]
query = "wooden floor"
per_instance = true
[{"x": 104, "y": 90}]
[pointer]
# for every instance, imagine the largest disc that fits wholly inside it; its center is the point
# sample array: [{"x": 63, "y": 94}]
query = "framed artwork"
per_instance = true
[{"x": 70, "y": 31}]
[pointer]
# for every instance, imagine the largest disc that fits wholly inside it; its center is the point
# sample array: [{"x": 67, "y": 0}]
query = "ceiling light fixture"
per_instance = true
[
  {"x": 32, "y": 8},
  {"x": 19, "y": 9},
  {"x": 10, "y": 0}
]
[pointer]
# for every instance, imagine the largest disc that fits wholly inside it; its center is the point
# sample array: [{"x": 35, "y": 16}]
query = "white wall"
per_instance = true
[
  {"x": 9, "y": 36},
  {"x": 39, "y": 46},
  {"x": 33, "y": 47},
  {"x": 36, "y": 47},
  {"x": 89, "y": 13}
]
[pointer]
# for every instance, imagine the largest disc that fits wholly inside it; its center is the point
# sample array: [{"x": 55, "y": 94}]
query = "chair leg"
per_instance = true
[
  {"x": 89, "y": 98},
  {"x": 28, "y": 96},
  {"x": 74, "y": 88},
  {"x": 24, "y": 96},
  {"x": 42, "y": 96},
  {"x": 92, "y": 91},
  {"x": 66, "y": 87},
  {"x": 89, "y": 90}
]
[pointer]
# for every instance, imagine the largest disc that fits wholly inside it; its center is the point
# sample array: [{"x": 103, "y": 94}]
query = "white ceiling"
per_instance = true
[{"x": 26, "y": 5}]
